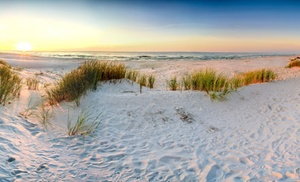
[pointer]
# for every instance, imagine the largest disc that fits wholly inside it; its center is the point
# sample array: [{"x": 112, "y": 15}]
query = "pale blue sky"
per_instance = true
[{"x": 213, "y": 25}]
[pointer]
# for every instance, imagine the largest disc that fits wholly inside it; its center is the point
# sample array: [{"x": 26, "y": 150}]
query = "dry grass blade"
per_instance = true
[
  {"x": 10, "y": 85},
  {"x": 173, "y": 83},
  {"x": 186, "y": 82},
  {"x": 151, "y": 80},
  {"x": 32, "y": 83},
  {"x": 132, "y": 75},
  {"x": 142, "y": 81},
  {"x": 44, "y": 114},
  {"x": 30, "y": 110},
  {"x": 83, "y": 125},
  {"x": 294, "y": 63},
  {"x": 258, "y": 76}
]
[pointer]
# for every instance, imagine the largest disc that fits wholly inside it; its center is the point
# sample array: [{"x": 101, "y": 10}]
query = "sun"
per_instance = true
[{"x": 24, "y": 46}]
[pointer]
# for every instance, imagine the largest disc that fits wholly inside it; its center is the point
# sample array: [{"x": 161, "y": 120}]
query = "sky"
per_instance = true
[{"x": 131, "y": 25}]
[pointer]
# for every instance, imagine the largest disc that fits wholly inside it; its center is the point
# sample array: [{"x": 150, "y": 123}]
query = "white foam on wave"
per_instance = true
[{"x": 146, "y": 56}]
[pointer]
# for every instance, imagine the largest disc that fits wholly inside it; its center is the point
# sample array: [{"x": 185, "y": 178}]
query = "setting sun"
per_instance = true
[{"x": 23, "y": 46}]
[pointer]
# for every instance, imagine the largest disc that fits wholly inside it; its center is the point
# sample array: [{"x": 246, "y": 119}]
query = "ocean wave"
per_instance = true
[{"x": 126, "y": 56}]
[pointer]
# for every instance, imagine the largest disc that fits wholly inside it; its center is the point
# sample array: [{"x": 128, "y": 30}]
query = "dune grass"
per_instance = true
[
  {"x": 252, "y": 77},
  {"x": 10, "y": 85},
  {"x": 44, "y": 114},
  {"x": 204, "y": 80},
  {"x": 208, "y": 80},
  {"x": 142, "y": 80},
  {"x": 132, "y": 75},
  {"x": 151, "y": 80},
  {"x": 70, "y": 88},
  {"x": 87, "y": 76},
  {"x": 294, "y": 63},
  {"x": 217, "y": 86},
  {"x": 76, "y": 83},
  {"x": 186, "y": 82},
  {"x": 258, "y": 76},
  {"x": 32, "y": 83},
  {"x": 236, "y": 82},
  {"x": 83, "y": 125},
  {"x": 95, "y": 71},
  {"x": 173, "y": 83}
]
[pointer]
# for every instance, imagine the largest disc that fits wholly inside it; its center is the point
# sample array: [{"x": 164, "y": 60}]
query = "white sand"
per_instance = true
[{"x": 161, "y": 135}]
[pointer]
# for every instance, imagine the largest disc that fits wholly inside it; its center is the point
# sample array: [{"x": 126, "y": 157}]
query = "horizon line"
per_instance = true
[{"x": 279, "y": 52}]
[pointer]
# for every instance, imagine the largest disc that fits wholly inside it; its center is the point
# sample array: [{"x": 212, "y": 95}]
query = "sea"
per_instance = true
[{"x": 139, "y": 56}]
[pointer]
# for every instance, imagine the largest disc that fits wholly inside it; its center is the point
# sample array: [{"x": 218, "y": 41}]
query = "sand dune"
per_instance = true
[{"x": 160, "y": 135}]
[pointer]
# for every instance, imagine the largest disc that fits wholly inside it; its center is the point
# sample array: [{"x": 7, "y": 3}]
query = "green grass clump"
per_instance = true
[
  {"x": 114, "y": 71},
  {"x": 217, "y": 86},
  {"x": 81, "y": 126},
  {"x": 102, "y": 71},
  {"x": 132, "y": 75},
  {"x": 10, "y": 85},
  {"x": 142, "y": 81},
  {"x": 44, "y": 114},
  {"x": 90, "y": 73},
  {"x": 76, "y": 83},
  {"x": 209, "y": 81},
  {"x": 32, "y": 83},
  {"x": 70, "y": 88},
  {"x": 252, "y": 77},
  {"x": 151, "y": 80},
  {"x": 186, "y": 82},
  {"x": 236, "y": 82},
  {"x": 95, "y": 71},
  {"x": 173, "y": 83},
  {"x": 258, "y": 76},
  {"x": 294, "y": 63}
]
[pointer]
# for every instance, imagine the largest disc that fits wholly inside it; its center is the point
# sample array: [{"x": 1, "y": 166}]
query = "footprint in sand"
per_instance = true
[{"x": 184, "y": 115}]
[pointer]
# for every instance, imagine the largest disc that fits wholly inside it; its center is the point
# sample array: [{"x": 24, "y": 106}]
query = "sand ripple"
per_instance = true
[{"x": 254, "y": 136}]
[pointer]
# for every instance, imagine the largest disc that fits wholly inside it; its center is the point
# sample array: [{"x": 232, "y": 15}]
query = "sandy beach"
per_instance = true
[{"x": 159, "y": 135}]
